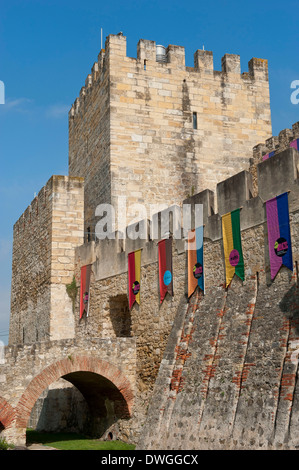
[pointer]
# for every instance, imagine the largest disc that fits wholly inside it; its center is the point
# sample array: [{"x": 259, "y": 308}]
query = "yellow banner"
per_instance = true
[{"x": 228, "y": 246}]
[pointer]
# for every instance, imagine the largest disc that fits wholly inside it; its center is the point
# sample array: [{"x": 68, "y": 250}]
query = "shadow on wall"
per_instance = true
[
  {"x": 60, "y": 408},
  {"x": 120, "y": 315},
  {"x": 289, "y": 305}
]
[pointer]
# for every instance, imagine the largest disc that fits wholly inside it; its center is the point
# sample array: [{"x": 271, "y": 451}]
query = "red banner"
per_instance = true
[{"x": 165, "y": 268}]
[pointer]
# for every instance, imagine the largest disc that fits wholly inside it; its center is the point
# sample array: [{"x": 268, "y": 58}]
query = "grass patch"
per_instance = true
[
  {"x": 72, "y": 441},
  {"x": 4, "y": 445}
]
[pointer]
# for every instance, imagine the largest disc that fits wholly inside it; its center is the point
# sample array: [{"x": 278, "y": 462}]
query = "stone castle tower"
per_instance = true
[
  {"x": 153, "y": 131},
  {"x": 150, "y": 129}
]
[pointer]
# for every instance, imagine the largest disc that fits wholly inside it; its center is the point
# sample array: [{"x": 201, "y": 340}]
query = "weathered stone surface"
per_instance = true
[
  {"x": 131, "y": 131},
  {"x": 216, "y": 371}
]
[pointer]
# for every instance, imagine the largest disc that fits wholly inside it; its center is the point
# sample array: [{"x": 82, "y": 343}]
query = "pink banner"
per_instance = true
[{"x": 295, "y": 144}]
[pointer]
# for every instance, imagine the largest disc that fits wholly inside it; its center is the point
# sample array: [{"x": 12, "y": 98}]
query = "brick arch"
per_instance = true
[
  {"x": 7, "y": 414},
  {"x": 68, "y": 366}
]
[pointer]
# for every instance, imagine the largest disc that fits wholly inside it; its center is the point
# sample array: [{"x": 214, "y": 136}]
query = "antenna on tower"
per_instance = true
[{"x": 101, "y": 38}]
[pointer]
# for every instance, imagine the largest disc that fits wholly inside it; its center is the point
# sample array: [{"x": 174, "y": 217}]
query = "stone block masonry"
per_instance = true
[
  {"x": 231, "y": 383},
  {"x": 210, "y": 352},
  {"x": 156, "y": 132},
  {"x": 43, "y": 262}
]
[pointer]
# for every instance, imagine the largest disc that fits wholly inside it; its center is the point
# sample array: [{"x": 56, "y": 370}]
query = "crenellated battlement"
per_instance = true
[
  {"x": 276, "y": 143},
  {"x": 151, "y": 125},
  {"x": 96, "y": 76},
  {"x": 34, "y": 209},
  {"x": 272, "y": 146},
  {"x": 152, "y": 56},
  {"x": 42, "y": 202}
]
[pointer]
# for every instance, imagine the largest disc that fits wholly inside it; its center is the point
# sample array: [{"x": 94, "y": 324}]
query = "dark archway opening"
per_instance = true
[
  {"x": 105, "y": 402},
  {"x": 60, "y": 408},
  {"x": 81, "y": 402},
  {"x": 2, "y": 427}
]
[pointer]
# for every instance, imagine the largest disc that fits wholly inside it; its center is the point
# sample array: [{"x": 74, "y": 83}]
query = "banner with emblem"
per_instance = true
[
  {"x": 295, "y": 144},
  {"x": 134, "y": 272},
  {"x": 84, "y": 290},
  {"x": 279, "y": 235},
  {"x": 195, "y": 260},
  {"x": 165, "y": 268},
  {"x": 232, "y": 245}
]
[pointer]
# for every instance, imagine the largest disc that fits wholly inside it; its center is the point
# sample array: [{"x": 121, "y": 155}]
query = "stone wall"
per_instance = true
[
  {"x": 43, "y": 262},
  {"x": 228, "y": 378},
  {"x": 149, "y": 323},
  {"x": 60, "y": 408},
  {"x": 175, "y": 347},
  {"x": 150, "y": 152},
  {"x": 233, "y": 384},
  {"x": 30, "y": 289},
  {"x": 219, "y": 331}
]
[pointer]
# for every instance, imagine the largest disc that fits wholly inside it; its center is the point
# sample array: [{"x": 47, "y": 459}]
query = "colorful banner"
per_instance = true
[
  {"x": 269, "y": 155},
  {"x": 134, "y": 270},
  {"x": 84, "y": 290},
  {"x": 165, "y": 268},
  {"x": 233, "y": 255},
  {"x": 279, "y": 236},
  {"x": 195, "y": 260},
  {"x": 295, "y": 144}
]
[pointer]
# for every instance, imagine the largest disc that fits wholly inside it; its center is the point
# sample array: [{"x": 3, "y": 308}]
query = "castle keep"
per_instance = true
[
  {"x": 217, "y": 370},
  {"x": 153, "y": 130}
]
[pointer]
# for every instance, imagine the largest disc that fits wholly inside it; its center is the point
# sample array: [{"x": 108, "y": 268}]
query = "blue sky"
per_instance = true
[{"x": 47, "y": 49}]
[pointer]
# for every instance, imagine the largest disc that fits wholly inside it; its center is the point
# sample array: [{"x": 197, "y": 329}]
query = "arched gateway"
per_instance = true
[{"x": 96, "y": 379}]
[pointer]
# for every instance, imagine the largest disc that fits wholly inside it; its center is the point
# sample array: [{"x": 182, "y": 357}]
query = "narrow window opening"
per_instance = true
[
  {"x": 88, "y": 234},
  {"x": 194, "y": 120},
  {"x": 144, "y": 64}
]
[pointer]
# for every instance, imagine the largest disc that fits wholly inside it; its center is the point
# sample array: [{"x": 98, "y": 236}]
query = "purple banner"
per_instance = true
[{"x": 279, "y": 236}]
